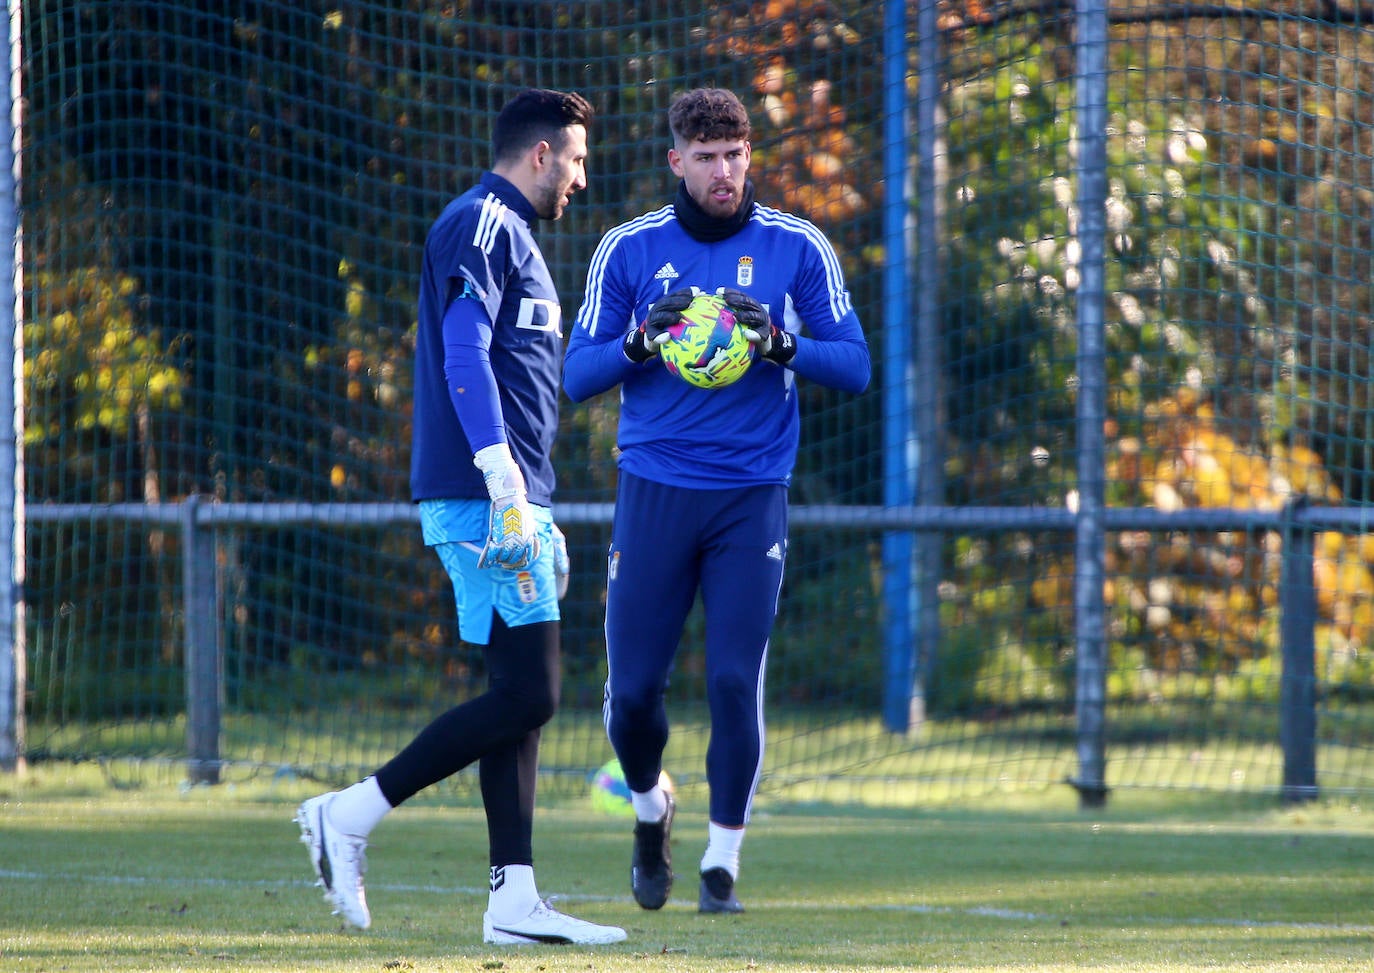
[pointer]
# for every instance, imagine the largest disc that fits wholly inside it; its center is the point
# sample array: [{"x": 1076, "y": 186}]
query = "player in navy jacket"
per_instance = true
[
  {"x": 488, "y": 348},
  {"x": 701, "y": 502}
]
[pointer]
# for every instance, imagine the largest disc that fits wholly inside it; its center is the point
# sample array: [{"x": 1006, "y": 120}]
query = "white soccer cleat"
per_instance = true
[
  {"x": 547, "y": 925},
  {"x": 339, "y": 861}
]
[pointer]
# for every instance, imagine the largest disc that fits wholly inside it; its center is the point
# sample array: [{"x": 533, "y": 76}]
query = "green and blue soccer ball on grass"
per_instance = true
[{"x": 708, "y": 348}]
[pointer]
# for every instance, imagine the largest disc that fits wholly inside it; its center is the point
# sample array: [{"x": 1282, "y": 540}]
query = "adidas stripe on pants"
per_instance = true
[{"x": 668, "y": 543}]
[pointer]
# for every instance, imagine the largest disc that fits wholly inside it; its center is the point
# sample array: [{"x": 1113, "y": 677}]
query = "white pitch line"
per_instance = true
[{"x": 979, "y": 911}]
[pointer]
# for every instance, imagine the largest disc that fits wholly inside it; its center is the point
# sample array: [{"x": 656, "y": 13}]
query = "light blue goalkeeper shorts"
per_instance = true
[{"x": 457, "y": 529}]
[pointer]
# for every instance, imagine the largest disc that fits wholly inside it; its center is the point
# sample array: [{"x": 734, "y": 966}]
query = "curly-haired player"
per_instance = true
[{"x": 703, "y": 473}]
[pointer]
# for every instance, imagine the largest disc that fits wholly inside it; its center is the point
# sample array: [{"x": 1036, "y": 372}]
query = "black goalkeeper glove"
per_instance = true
[
  {"x": 642, "y": 343},
  {"x": 749, "y": 313},
  {"x": 772, "y": 343}
]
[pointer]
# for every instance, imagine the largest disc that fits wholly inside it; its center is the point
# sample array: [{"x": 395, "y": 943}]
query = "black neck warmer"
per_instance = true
[{"x": 706, "y": 228}]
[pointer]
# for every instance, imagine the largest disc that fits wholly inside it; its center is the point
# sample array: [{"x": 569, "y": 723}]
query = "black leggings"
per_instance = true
[{"x": 501, "y": 729}]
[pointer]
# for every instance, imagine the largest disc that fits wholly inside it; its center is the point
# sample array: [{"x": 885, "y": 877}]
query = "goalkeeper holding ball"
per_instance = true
[
  {"x": 488, "y": 349},
  {"x": 703, "y": 472}
]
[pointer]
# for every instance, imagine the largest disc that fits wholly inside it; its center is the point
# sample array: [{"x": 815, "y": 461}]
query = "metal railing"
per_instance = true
[{"x": 198, "y": 520}]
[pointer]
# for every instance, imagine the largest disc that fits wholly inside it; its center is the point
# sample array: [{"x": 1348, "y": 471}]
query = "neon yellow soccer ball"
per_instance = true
[
  {"x": 611, "y": 795},
  {"x": 708, "y": 347}
]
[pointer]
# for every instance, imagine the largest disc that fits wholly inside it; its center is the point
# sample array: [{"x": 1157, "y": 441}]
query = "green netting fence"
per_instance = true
[{"x": 221, "y": 210}]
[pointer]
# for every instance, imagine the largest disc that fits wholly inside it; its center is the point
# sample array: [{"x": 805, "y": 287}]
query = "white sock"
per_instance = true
[
  {"x": 722, "y": 849},
  {"x": 651, "y": 805},
  {"x": 356, "y": 810},
  {"x": 513, "y": 893}
]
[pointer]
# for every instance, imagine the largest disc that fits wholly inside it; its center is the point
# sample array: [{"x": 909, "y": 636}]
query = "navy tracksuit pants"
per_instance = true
[{"x": 668, "y": 543}]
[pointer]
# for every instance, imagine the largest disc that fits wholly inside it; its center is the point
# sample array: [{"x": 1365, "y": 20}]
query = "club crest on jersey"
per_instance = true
[
  {"x": 524, "y": 584},
  {"x": 744, "y": 271}
]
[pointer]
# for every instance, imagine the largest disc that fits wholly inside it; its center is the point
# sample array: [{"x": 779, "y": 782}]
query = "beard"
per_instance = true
[
  {"x": 721, "y": 209},
  {"x": 548, "y": 201}
]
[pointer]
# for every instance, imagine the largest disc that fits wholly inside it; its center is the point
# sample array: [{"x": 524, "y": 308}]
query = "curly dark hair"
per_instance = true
[{"x": 708, "y": 114}]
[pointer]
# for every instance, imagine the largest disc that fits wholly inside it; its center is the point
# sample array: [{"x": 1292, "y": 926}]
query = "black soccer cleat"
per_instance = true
[
  {"x": 651, "y": 868},
  {"x": 718, "y": 892}
]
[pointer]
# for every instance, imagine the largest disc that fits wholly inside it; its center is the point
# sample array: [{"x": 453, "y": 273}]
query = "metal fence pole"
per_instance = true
[
  {"x": 204, "y": 660},
  {"x": 931, "y": 179},
  {"x": 901, "y": 694},
  {"x": 1298, "y": 680},
  {"x": 14, "y": 651},
  {"x": 1090, "y": 115}
]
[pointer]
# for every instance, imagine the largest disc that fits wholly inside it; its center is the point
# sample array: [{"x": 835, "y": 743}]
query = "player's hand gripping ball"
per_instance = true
[{"x": 708, "y": 349}]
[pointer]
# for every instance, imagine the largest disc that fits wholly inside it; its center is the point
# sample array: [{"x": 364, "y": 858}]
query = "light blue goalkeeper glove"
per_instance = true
[
  {"x": 562, "y": 564},
  {"x": 512, "y": 542}
]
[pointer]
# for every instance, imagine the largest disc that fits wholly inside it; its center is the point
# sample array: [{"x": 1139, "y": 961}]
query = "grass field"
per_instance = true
[{"x": 157, "y": 877}]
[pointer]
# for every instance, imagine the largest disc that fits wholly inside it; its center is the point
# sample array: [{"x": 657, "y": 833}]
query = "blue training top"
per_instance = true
[
  {"x": 745, "y": 433},
  {"x": 482, "y": 247}
]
